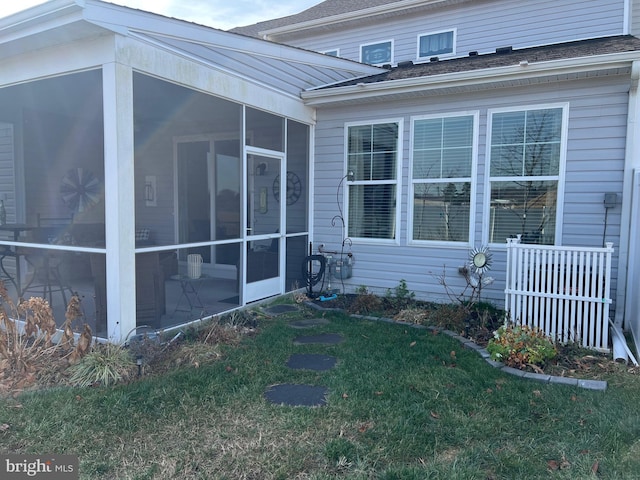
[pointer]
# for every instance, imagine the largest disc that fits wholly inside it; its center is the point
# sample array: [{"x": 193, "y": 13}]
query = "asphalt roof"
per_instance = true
[
  {"x": 328, "y": 8},
  {"x": 503, "y": 57}
]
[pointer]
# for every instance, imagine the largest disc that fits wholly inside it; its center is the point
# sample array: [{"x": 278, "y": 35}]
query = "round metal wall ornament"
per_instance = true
[
  {"x": 80, "y": 189},
  {"x": 294, "y": 188}
]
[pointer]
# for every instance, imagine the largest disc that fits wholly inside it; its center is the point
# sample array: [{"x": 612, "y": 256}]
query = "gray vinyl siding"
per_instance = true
[
  {"x": 594, "y": 166},
  {"x": 7, "y": 170},
  {"x": 634, "y": 20},
  {"x": 481, "y": 26}
]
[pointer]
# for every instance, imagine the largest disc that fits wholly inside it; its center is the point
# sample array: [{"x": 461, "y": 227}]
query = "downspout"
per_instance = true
[{"x": 627, "y": 257}]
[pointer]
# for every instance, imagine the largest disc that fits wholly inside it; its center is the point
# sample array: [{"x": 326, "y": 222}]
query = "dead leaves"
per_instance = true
[
  {"x": 561, "y": 464},
  {"x": 28, "y": 353},
  {"x": 564, "y": 464},
  {"x": 365, "y": 426},
  {"x": 84, "y": 343}
]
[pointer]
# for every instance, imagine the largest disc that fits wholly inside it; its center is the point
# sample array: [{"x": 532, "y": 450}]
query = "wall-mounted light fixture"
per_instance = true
[{"x": 150, "y": 191}]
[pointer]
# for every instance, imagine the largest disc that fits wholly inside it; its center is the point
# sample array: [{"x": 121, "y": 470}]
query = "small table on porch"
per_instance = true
[{"x": 190, "y": 291}]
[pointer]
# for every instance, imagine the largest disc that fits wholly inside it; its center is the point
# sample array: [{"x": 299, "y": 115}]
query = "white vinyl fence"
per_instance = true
[{"x": 563, "y": 291}]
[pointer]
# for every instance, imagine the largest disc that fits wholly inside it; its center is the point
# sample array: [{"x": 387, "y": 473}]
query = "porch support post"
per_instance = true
[{"x": 119, "y": 199}]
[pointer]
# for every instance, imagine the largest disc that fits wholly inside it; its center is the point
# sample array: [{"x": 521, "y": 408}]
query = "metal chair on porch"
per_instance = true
[{"x": 45, "y": 264}]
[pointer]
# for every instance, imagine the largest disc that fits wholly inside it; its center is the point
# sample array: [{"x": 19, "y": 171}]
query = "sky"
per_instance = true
[{"x": 223, "y": 14}]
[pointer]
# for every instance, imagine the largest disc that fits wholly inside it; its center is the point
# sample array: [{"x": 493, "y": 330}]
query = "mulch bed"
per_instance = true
[{"x": 572, "y": 360}]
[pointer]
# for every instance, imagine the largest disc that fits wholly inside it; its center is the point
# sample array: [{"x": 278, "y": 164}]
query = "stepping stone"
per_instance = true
[
  {"x": 323, "y": 339},
  {"x": 297, "y": 395},
  {"x": 309, "y": 323},
  {"x": 278, "y": 309},
  {"x": 311, "y": 361}
]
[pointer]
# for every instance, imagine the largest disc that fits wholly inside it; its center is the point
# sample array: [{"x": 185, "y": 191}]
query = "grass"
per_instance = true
[{"x": 404, "y": 403}]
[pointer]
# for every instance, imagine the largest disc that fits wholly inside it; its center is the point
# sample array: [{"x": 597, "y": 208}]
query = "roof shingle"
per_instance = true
[
  {"x": 328, "y": 8},
  {"x": 506, "y": 57}
]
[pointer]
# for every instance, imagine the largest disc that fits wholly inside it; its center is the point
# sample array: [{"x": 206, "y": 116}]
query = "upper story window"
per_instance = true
[
  {"x": 442, "y": 172},
  {"x": 437, "y": 43},
  {"x": 526, "y": 160},
  {"x": 373, "y": 161},
  {"x": 332, "y": 53},
  {"x": 379, "y": 53}
]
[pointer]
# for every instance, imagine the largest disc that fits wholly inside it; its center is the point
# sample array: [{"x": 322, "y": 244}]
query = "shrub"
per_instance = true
[
  {"x": 106, "y": 365},
  {"x": 519, "y": 346},
  {"x": 365, "y": 303},
  {"x": 400, "y": 297}
]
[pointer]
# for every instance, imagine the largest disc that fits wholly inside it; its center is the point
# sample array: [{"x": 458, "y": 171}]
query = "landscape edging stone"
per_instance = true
[{"x": 470, "y": 344}]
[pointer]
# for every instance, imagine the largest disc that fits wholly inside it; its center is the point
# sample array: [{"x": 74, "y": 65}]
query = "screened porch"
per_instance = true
[{"x": 220, "y": 200}]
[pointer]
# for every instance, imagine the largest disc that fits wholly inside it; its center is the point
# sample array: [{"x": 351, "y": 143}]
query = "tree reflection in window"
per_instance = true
[
  {"x": 524, "y": 174},
  {"x": 442, "y": 158}
]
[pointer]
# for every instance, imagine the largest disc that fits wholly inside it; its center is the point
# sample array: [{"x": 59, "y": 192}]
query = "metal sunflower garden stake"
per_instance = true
[{"x": 480, "y": 259}]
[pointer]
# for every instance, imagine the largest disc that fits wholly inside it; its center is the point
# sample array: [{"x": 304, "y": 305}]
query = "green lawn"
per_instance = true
[{"x": 404, "y": 403}]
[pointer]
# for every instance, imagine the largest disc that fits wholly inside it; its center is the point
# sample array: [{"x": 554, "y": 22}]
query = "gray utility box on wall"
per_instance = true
[{"x": 341, "y": 266}]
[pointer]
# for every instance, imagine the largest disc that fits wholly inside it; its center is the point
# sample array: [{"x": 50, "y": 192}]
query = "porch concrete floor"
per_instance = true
[{"x": 214, "y": 296}]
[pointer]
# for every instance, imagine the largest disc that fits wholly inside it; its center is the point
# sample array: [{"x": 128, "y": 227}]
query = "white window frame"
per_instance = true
[
  {"x": 560, "y": 178},
  {"x": 439, "y": 55},
  {"x": 398, "y": 181},
  {"x": 380, "y": 42},
  {"x": 473, "y": 179}
]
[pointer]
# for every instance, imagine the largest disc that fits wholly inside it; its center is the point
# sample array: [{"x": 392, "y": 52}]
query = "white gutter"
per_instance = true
[
  {"x": 353, "y": 15},
  {"x": 626, "y": 22},
  {"x": 627, "y": 289},
  {"x": 34, "y": 16},
  {"x": 477, "y": 77}
]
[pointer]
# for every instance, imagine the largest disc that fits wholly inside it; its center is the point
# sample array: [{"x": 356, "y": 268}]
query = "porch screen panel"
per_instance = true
[
  {"x": 187, "y": 167},
  {"x": 297, "y": 193},
  {"x": 264, "y": 130},
  {"x": 372, "y": 158}
]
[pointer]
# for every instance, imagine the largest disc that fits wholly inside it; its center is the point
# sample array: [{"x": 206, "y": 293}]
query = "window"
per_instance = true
[
  {"x": 372, "y": 189},
  {"x": 377, "y": 53},
  {"x": 526, "y": 157},
  {"x": 332, "y": 53},
  {"x": 441, "y": 171},
  {"x": 438, "y": 43}
]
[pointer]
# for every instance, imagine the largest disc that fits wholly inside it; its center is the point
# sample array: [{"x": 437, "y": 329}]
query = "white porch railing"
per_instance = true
[{"x": 563, "y": 291}]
